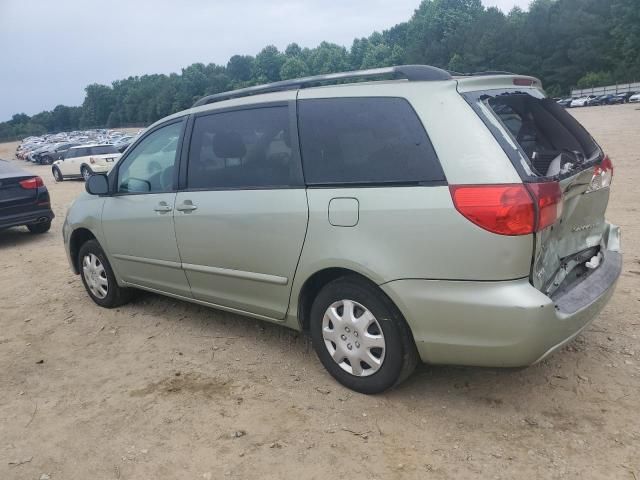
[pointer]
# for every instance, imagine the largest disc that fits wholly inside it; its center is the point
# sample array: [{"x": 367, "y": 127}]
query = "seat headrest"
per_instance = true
[{"x": 228, "y": 144}]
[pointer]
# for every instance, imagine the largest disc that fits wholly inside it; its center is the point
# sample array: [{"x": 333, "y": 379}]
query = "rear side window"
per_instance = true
[
  {"x": 76, "y": 152},
  {"x": 552, "y": 142},
  {"x": 368, "y": 140},
  {"x": 102, "y": 150},
  {"x": 249, "y": 148}
]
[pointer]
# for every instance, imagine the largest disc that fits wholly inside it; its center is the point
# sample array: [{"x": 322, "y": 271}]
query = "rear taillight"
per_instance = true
[
  {"x": 509, "y": 209},
  {"x": 548, "y": 199},
  {"x": 602, "y": 175},
  {"x": 502, "y": 209},
  {"x": 31, "y": 183}
]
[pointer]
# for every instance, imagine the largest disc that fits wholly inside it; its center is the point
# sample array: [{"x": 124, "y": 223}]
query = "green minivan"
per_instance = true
[{"x": 398, "y": 215}]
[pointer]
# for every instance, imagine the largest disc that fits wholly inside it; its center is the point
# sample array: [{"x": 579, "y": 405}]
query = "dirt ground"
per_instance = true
[{"x": 169, "y": 390}]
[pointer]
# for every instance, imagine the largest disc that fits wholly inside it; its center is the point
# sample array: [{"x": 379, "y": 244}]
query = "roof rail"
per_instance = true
[{"x": 413, "y": 73}]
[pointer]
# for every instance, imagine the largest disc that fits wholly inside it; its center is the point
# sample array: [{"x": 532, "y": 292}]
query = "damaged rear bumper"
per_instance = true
[{"x": 502, "y": 324}]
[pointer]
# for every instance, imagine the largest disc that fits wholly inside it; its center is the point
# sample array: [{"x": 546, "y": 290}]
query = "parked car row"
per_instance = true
[
  {"x": 593, "y": 100},
  {"x": 46, "y": 149}
]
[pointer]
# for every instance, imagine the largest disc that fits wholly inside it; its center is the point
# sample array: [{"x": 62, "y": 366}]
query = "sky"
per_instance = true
[{"x": 50, "y": 50}]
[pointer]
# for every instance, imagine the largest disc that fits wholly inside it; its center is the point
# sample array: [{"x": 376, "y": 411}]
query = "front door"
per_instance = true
[
  {"x": 241, "y": 220},
  {"x": 138, "y": 219}
]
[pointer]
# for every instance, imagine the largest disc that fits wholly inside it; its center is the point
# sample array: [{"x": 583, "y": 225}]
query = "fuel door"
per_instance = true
[{"x": 344, "y": 212}]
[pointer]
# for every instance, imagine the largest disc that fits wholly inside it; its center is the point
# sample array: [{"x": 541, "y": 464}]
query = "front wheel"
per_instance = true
[
  {"x": 360, "y": 336},
  {"x": 57, "y": 174},
  {"x": 86, "y": 173},
  {"x": 98, "y": 278}
]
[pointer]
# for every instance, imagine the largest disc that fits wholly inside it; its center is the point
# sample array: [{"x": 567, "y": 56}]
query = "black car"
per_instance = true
[
  {"x": 625, "y": 96},
  {"x": 24, "y": 200},
  {"x": 55, "y": 152},
  {"x": 608, "y": 99}
]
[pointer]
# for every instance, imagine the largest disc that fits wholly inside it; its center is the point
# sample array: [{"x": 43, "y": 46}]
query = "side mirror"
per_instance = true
[{"x": 97, "y": 185}]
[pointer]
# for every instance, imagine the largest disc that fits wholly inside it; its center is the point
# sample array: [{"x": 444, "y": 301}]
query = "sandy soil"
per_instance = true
[{"x": 165, "y": 389}]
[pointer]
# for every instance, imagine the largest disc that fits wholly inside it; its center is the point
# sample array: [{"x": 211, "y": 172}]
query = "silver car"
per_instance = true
[{"x": 413, "y": 217}]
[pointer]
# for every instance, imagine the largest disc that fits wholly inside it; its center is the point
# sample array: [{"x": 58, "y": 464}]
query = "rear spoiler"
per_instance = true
[{"x": 495, "y": 80}]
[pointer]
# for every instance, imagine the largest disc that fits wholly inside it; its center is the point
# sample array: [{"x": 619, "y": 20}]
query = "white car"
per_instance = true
[
  {"x": 85, "y": 160},
  {"x": 582, "y": 101},
  {"x": 634, "y": 98}
]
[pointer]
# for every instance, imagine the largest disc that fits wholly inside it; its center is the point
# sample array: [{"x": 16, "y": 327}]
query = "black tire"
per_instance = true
[
  {"x": 85, "y": 172},
  {"x": 47, "y": 160},
  {"x": 57, "y": 174},
  {"x": 400, "y": 354},
  {"x": 115, "y": 295},
  {"x": 39, "y": 227}
]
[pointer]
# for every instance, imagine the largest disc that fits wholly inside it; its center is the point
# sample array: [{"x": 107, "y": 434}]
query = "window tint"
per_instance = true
[
  {"x": 243, "y": 149},
  {"x": 149, "y": 166},
  {"x": 364, "y": 140},
  {"x": 102, "y": 150},
  {"x": 76, "y": 152}
]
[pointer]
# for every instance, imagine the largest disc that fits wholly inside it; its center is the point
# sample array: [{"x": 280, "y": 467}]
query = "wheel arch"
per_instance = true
[
  {"x": 315, "y": 282},
  {"x": 78, "y": 238}
]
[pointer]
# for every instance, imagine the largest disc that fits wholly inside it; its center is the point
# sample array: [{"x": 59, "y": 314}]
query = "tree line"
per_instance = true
[{"x": 566, "y": 43}]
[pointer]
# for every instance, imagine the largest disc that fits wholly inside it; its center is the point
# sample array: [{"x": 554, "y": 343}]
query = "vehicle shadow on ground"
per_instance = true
[
  {"x": 484, "y": 386},
  {"x": 16, "y": 236}
]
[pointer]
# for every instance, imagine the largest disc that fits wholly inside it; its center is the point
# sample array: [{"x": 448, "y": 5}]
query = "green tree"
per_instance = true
[
  {"x": 240, "y": 68},
  {"x": 268, "y": 64},
  {"x": 293, "y": 68},
  {"x": 97, "y": 105},
  {"x": 328, "y": 58},
  {"x": 595, "y": 79}
]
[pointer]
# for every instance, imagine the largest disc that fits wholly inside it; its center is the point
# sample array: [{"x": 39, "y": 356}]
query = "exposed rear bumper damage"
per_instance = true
[
  {"x": 593, "y": 287},
  {"x": 502, "y": 324}
]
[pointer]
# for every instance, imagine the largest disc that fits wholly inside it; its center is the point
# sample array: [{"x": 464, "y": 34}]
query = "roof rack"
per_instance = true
[{"x": 413, "y": 73}]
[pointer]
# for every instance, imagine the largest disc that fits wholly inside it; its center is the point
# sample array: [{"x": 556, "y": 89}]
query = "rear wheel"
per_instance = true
[
  {"x": 57, "y": 174},
  {"x": 86, "y": 173},
  {"x": 360, "y": 336},
  {"x": 98, "y": 278},
  {"x": 39, "y": 227}
]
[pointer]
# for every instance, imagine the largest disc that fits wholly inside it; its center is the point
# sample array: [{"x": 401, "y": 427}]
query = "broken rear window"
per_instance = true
[{"x": 539, "y": 136}]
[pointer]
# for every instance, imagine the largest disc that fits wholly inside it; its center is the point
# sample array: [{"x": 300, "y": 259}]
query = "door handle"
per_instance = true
[
  {"x": 187, "y": 206},
  {"x": 163, "y": 207}
]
